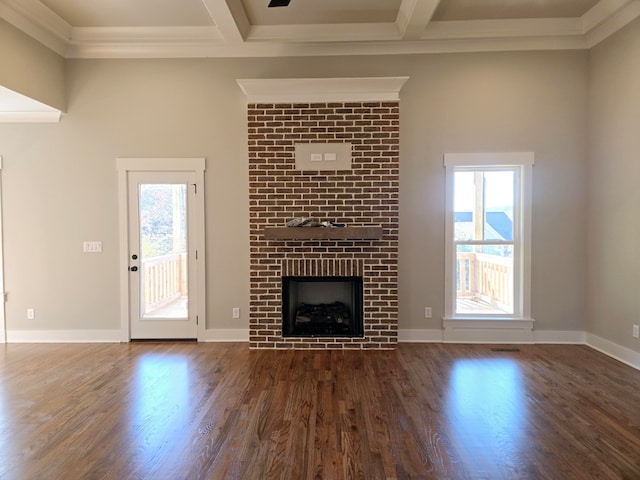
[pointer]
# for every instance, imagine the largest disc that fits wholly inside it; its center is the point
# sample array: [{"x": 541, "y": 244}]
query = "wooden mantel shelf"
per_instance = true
[{"x": 323, "y": 233}]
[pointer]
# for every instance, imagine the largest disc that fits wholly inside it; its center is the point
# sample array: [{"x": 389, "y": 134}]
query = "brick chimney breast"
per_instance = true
[{"x": 364, "y": 195}]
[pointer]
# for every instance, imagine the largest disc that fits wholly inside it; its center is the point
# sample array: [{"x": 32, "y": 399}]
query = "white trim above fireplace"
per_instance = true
[{"x": 281, "y": 90}]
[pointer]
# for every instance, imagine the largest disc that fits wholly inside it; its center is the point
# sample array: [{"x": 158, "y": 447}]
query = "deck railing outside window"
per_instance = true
[{"x": 484, "y": 283}]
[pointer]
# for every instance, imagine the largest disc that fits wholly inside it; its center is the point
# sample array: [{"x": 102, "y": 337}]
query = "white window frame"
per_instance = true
[{"x": 522, "y": 164}]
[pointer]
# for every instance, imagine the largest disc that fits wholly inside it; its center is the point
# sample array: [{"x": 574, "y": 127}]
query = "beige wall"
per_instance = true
[
  {"x": 60, "y": 184},
  {"x": 614, "y": 188},
  {"x": 496, "y": 102},
  {"x": 29, "y": 68}
]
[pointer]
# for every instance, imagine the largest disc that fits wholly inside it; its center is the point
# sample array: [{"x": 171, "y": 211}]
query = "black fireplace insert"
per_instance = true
[{"x": 322, "y": 307}]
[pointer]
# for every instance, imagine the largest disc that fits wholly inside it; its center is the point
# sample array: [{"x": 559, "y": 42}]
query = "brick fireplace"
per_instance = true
[{"x": 364, "y": 195}]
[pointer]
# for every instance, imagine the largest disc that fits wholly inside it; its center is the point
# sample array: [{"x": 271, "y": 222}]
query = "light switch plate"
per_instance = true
[
  {"x": 328, "y": 157},
  {"x": 92, "y": 247}
]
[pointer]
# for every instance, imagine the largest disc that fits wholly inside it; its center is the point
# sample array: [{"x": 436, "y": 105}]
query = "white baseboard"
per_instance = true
[
  {"x": 620, "y": 353},
  {"x": 225, "y": 335},
  {"x": 63, "y": 336},
  {"x": 568, "y": 337},
  {"x": 110, "y": 336},
  {"x": 571, "y": 337},
  {"x": 420, "y": 336}
]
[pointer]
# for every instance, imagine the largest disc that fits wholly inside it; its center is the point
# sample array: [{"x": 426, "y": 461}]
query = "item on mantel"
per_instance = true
[
  {"x": 298, "y": 222},
  {"x": 310, "y": 222}
]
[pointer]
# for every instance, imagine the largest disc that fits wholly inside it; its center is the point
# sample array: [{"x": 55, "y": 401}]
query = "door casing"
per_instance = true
[
  {"x": 3, "y": 325},
  {"x": 197, "y": 298}
]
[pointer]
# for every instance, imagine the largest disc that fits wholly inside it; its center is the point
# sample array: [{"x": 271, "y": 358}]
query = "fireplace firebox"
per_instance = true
[{"x": 322, "y": 307}]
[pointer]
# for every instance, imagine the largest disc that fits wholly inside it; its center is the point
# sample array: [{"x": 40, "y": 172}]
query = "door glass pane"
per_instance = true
[
  {"x": 484, "y": 279},
  {"x": 163, "y": 251}
]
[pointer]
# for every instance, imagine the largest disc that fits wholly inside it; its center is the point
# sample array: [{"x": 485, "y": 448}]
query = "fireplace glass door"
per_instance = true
[{"x": 322, "y": 307}]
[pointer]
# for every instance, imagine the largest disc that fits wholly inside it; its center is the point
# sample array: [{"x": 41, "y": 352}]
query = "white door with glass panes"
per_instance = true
[
  {"x": 162, "y": 253},
  {"x": 162, "y": 276}
]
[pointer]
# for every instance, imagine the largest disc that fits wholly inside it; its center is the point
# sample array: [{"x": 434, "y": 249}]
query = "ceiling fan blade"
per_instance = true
[{"x": 279, "y": 3}]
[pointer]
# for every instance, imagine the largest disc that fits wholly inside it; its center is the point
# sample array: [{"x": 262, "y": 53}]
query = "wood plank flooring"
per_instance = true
[{"x": 222, "y": 411}]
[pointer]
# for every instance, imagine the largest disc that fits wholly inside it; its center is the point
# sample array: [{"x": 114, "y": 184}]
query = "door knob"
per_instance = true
[{"x": 133, "y": 269}]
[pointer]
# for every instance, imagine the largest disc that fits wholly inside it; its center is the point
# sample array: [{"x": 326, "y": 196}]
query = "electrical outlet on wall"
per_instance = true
[
  {"x": 427, "y": 312},
  {"x": 636, "y": 331}
]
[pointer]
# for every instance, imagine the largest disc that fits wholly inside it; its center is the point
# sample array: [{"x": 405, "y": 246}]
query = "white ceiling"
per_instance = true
[
  {"x": 504, "y": 9},
  {"x": 309, "y": 12},
  {"x": 131, "y": 13},
  {"x": 224, "y": 28}
]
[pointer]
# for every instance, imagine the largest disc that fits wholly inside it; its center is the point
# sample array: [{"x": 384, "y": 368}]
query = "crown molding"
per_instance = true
[
  {"x": 516, "y": 28},
  {"x": 287, "y": 90},
  {"x": 325, "y": 40},
  {"x": 142, "y": 42},
  {"x": 148, "y": 35},
  {"x": 102, "y": 50},
  {"x": 596, "y": 32},
  {"x": 233, "y": 36},
  {"x": 39, "y": 22},
  {"x": 601, "y": 11}
]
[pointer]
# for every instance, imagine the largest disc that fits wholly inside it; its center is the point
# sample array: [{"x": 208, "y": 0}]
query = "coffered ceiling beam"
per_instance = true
[
  {"x": 230, "y": 18},
  {"x": 330, "y": 33},
  {"x": 413, "y": 17}
]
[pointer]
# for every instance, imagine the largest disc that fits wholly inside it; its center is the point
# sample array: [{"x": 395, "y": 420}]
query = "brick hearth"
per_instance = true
[{"x": 366, "y": 195}]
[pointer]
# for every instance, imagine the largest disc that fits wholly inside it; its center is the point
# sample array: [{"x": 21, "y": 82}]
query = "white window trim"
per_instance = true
[{"x": 483, "y": 328}]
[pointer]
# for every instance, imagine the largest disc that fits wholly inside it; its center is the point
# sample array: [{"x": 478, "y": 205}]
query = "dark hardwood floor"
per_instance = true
[{"x": 221, "y": 411}]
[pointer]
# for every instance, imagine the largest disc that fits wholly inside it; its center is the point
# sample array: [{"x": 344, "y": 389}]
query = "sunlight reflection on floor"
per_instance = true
[
  {"x": 160, "y": 407},
  {"x": 487, "y": 410}
]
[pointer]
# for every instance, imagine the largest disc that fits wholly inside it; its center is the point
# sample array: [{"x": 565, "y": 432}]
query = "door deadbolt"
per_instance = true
[{"x": 133, "y": 269}]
